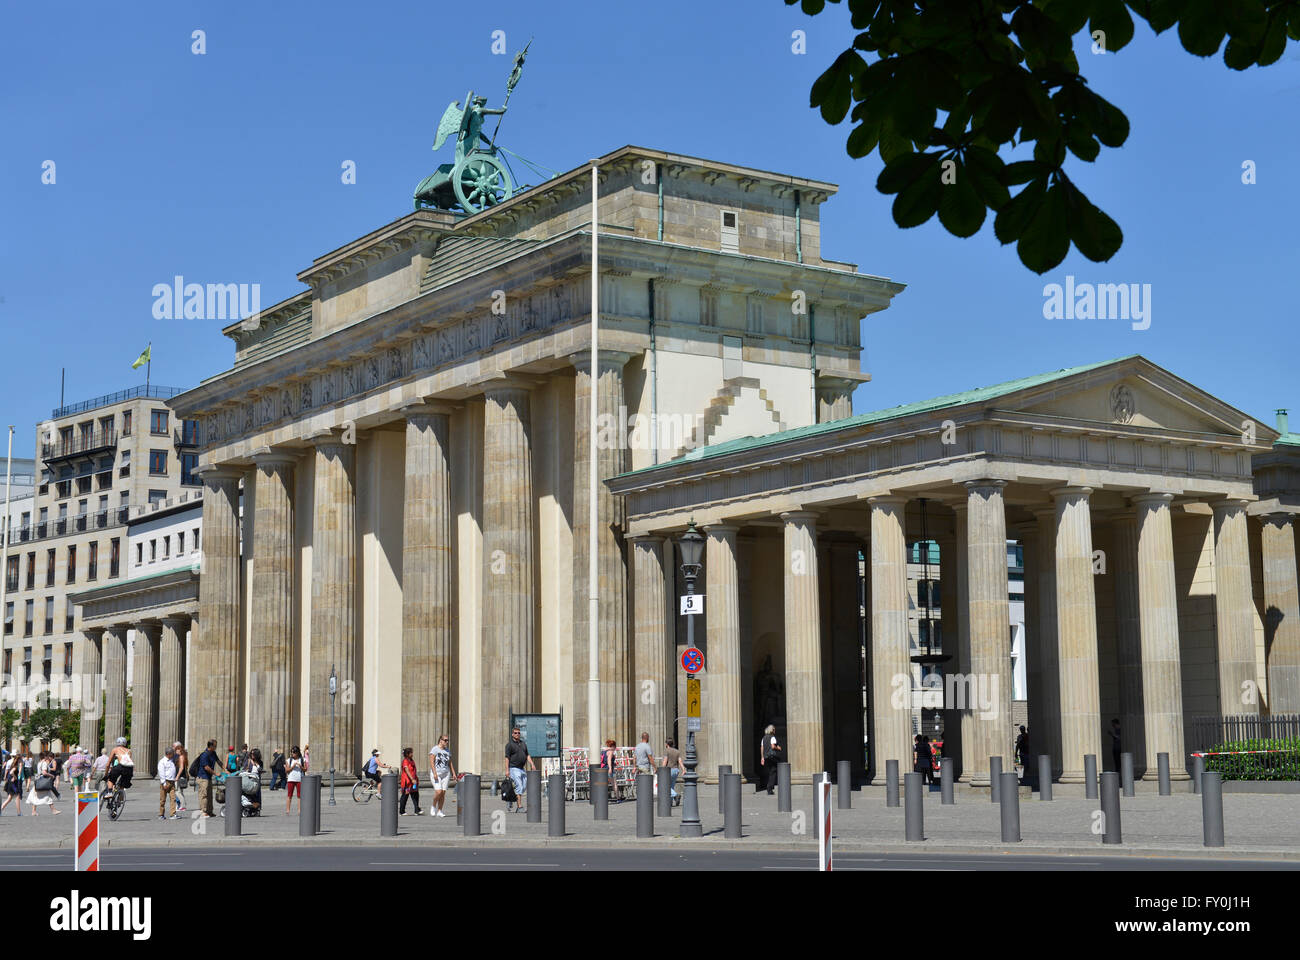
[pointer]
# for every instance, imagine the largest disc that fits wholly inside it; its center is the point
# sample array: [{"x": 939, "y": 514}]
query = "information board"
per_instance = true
[{"x": 540, "y": 731}]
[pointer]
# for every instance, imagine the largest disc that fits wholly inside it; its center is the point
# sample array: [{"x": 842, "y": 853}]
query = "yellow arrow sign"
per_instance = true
[{"x": 692, "y": 696}]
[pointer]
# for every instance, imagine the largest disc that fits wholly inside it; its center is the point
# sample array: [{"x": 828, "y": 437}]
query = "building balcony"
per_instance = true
[{"x": 78, "y": 447}]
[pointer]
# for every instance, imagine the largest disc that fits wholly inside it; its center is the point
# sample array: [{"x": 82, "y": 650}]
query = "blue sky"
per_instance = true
[{"x": 225, "y": 167}]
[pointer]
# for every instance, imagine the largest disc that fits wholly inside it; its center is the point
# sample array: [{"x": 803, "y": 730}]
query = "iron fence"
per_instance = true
[
  {"x": 1209, "y": 732},
  {"x": 1255, "y": 760}
]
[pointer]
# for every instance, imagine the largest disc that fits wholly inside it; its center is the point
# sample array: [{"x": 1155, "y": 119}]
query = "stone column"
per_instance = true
[
  {"x": 1234, "y": 610},
  {"x": 615, "y": 696},
  {"x": 144, "y": 697},
  {"x": 805, "y": 751},
  {"x": 271, "y": 707},
  {"x": 1076, "y": 611},
  {"x": 509, "y": 632},
  {"x": 91, "y": 687},
  {"x": 333, "y": 605},
  {"x": 1162, "y": 684},
  {"x": 114, "y": 683},
  {"x": 651, "y": 644},
  {"x": 987, "y": 688},
  {"x": 951, "y": 615},
  {"x": 1048, "y": 639},
  {"x": 215, "y": 682},
  {"x": 891, "y": 671},
  {"x": 722, "y": 740},
  {"x": 428, "y": 581},
  {"x": 1028, "y": 535},
  {"x": 171, "y": 683},
  {"x": 1128, "y": 636},
  {"x": 1282, "y": 612}
]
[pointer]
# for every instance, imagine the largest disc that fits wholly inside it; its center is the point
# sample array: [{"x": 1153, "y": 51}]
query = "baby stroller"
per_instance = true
[{"x": 250, "y": 794}]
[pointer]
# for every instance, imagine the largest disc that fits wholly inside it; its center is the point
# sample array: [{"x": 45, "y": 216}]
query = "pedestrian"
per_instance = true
[
  {"x": 517, "y": 759},
  {"x": 645, "y": 758},
  {"x": 243, "y": 757},
  {"x": 673, "y": 761},
  {"x": 78, "y": 767},
  {"x": 209, "y": 767},
  {"x": 12, "y": 784},
  {"x": 442, "y": 771},
  {"x": 252, "y": 775},
  {"x": 277, "y": 769},
  {"x": 42, "y": 784},
  {"x": 1116, "y": 743},
  {"x": 1022, "y": 747},
  {"x": 232, "y": 760},
  {"x": 293, "y": 780},
  {"x": 100, "y": 770},
  {"x": 410, "y": 782},
  {"x": 768, "y": 759},
  {"x": 923, "y": 759},
  {"x": 182, "y": 758},
  {"x": 167, "y": 786},
  {"x": 28, "y": 771},
  {"x": 306, "y": 760}
]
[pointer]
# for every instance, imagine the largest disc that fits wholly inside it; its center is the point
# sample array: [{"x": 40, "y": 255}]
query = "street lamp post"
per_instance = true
[
  {"x": 692, "y": 547},
  {"x": 334, "y": 685}
]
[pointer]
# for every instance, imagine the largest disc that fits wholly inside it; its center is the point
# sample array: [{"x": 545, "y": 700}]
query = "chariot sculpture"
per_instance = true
[{"x": 479, "y": 177}]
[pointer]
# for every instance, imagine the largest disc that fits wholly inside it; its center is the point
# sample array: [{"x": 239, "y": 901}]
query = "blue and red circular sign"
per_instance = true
[{"x": 692, "y": 660}]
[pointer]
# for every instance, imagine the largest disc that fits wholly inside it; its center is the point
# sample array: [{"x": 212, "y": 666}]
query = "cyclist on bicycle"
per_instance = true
[
  {"x": 120, "y": 766},
  {"x": 370, "y": 770}
]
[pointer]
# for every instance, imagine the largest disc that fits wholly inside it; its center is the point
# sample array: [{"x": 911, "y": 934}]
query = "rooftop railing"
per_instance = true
[{"x": 151, "y": 392}]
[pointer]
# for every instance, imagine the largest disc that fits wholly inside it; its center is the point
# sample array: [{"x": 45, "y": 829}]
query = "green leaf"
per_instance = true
[
  {"x": 1096, "y": 235},
  {"x": 1046, "y": 240},
  {"x": 901, "y": 172},
  {"x": 1016, "y": 215},
  {"x": 917, "y": 204},
  {"x": 1113, "y": 20},
  {"x": 1109, "y": 123},
  {"x": 961, "y": 210},
  {"x": 1274, "y": 44},
  {"x": 1022, "y": 171},
  {"x": 1082, "y": 144},
  {"x": 1201, "y": 28},
  {"x": 985, "y": 169},
  {"x": 863, "y": 139},
  {"x": 1160, "y": 14},
  {"x": 892, "y": 144}
]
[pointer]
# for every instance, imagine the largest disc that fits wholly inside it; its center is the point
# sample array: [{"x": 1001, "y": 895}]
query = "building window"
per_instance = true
[
  {"x": 31, "y": 571},
  {"x": 47, "y": 661},
  {"x": 69, "y": 611},
  {"x": 63, "y": 489},
  {"x": 190, "y": 432},
  {"x": 29, "y": 609},
  {"x": 106, "y": 424},
  {"x": 158, "y": 463},
  {"x": 180, "y": 542},
  {"x": 157, "y": 496},
  {"x": 49, "y": 568},
  {"x": 101, "y": 518},
  {"x": 11, "y": 574},
  {"x": 190, "y": 463},
  {"x": 125, "y": 470},
  {"x": 153, "y": 550},
  {"x": 44, "y": 518},
  {"x": 9, "y": 627},
  {"x": 139, "y": 554},
  {"x": 67, "y": 659},
  {"x": 126, "y": 423},
  {"x": 114, "y": 557},
  {"x": 92, "y": 561},
  {"x": 9, "y": 661},
  {"x": 729, "y": 231},
  {"x": 72, "y": 564},
  {"x": 195, "y": 539},
  {"x": 167, "y": 547},
  {"x": 49, "y": 616},
  {"x": 123, "y": 508},
  {"x": 81, "y": 515},
  {"x": 83, "y": 484},
  {"x": 158, "y": 422},
  {"x": 27, "y": 662}
]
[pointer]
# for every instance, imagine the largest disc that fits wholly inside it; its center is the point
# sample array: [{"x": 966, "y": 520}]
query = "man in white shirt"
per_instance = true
[
  {"x": 442, "y": 771},
  {"x": 167, "y": 786}
]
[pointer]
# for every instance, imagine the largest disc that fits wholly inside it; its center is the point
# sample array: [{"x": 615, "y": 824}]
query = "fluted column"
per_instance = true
[
  {"x": 509, "y": 633},
  {"x": 1076, "y": 612},
  {"x": 144, "y": 696},
  {"x": 215, "y": 679},
  {"x": 171, "y": 683},
  {"x": 1048, "y": 638},
  {"x": 271, "y": 700},
  {"x": 1282, "y": 612},
  {"x": 91, "y": 688},
  {"x": 803, "y": 648},
  {"x": 1128, "y": 635},
  {"x": 951, "y": 616},
  {"x": 891, "y": 671},
  {"x": 722, "y": 742},
  {"x": 1028, "y": 536},
  {"x": 651, "y": 642},
  {"x": 988, "y": 685},
  {"x": 615, "y": 698},
  {"x": 1162, "y": 684},
  {"x": 428, "y": 559},
  {"x": 1234, "y": 610},
  {"x": 114, "y": 683},
  {"x": 333, "y": 604}
]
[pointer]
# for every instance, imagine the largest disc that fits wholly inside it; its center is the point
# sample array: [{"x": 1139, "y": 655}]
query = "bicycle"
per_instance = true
[
  {"x": 365, "y": 788},
  {"x": 114, "y": 801}
]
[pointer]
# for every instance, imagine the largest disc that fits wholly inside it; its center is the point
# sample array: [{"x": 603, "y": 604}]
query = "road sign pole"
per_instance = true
[{"x": 691, "y": 826}]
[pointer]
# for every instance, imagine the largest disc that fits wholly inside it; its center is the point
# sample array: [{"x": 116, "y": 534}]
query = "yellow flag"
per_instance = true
[{"x": 143, "y": 358}]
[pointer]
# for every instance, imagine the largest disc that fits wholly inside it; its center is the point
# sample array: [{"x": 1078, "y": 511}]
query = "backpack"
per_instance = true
[
  {"x": 508, "y": 791},
  {"x": 195, "y": 766}
]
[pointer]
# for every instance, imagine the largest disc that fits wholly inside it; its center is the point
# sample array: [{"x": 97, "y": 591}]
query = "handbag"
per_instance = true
[{"x": 43, "y": 783}]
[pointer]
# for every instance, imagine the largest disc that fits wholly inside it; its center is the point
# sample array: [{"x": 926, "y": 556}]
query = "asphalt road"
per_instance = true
[{"x": 478, "y": 859}]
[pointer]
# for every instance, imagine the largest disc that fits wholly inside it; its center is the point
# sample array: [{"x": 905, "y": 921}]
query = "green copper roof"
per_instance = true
[
  {"x": 1288, "y": 439},
  {"x": 889, "y": 413}
]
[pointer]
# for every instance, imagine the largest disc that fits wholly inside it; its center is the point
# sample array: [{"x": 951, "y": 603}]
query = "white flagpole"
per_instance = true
[
  {"x": 593, "y": 568},
  {"x": 4, "y": 537}
]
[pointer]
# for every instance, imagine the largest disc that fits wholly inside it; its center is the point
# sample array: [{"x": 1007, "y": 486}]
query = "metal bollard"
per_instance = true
[
  {"x": 459, "y": 812},
  {"x": 1126, "y": 774},
  {"x": 1110, "y": 807},
  {"x": 1212, "y": 808},
  {"x": 470, "y": 800},
  {"x": 914, "y": 813},
  {"x": 995, "y": 779},
  {"x": 1090, "y": 776},
  {"x": 645, "y": 805},
  {"x": 817, "y": 778},
  {"x": 891, "y": 783},
  {"x": 665, "y": 780},
  {"x": 388, "y": 805},
  {"x": 946, "y": 797},
  {"x": 723, "y": 770},
  {"x": 533, "y": 793},
  {"x": 555, "y": 805},
  {"x": 1010, "y": 801},
  {"x": 783, "y": 800},
  {"x": 1044, "y": 776},
  {"x": 600, "y": 794},
  {"x": 1198, "y": 771},
  {"x": 844, "y": 784},
  {"x": 1162, "y": 763},
  {"x": 309, "y": 806},
  {"x": 592, "y": 770},
  {"x": 731, "y": 811},
  {"x": 234, "y": 810}
]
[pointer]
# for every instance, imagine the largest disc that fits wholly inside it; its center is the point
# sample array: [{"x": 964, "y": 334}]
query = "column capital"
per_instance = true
[
  {"x": 646, "y": 538},
  {"x": 888, "y": 500},
  {"x": 614, "y": 360},
  {"x": 1152, "y": 497},
  {"x": 507, "y": 381},
  {"x": 213, "y": 472},
  {"x": 93, "y": 633},
  {"x": 1070, "y": 490},
  {"x": 1228, "y": 504},
  {"x": 721, "y": 528},
  {"x": 275, "y": 457},
  {"x": 424, "y": 409},
  {"x": 801, "y": 516},
  {"x": 175, "y": 620},
  {"x": 1278, "y": 518},
  {"x": 327, "y": 437}
]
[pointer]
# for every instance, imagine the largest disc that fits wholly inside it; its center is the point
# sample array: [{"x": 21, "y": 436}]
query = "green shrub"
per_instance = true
[{"x": 1283, "y": 763}]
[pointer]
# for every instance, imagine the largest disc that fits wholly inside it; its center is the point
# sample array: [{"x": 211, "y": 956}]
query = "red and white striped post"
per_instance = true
[
  {"x": 87, "y": 857},
  {"x": 824, "y": 823}
]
